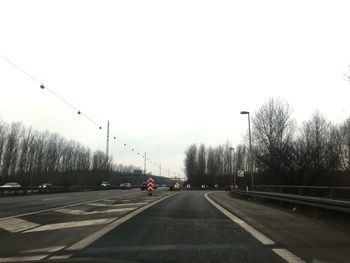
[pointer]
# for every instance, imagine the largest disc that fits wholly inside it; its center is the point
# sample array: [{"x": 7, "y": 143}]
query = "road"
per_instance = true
[{"x": 186, "y": 226}]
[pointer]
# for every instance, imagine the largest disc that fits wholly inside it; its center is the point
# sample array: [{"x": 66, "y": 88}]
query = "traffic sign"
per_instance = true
[
  {"x": 240, "y": 173},
  {"x": 150, "y": 185},
  {"x": 177, "y": 186}
]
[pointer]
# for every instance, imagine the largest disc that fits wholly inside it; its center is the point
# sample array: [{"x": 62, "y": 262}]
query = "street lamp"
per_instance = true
[
  {"x": 250, "y": 148},
  {"x": 233, "y": 170}
]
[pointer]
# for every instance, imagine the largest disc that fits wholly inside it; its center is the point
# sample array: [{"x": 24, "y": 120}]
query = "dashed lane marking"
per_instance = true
[
  {"x": 61, "y": 256},
  {"x": 116, "y": 210},
  {"x": 283, "y": 253},
  {"x": 55, "y": 198},
  {"x": 24, "y": 258},
  {"x": 15, "y": 225},
  {"x": 45, "y": 250},
  {"x": 118, "y": 205},
  {"x": 70, "y": 211},
  {"x": 70, "y": 225},
  {"x": 103, "y": 231},
  {"x": 287, "y": 256}
]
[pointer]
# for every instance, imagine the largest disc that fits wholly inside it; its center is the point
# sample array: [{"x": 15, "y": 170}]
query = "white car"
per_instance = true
[{"x": 10, "y": 185}]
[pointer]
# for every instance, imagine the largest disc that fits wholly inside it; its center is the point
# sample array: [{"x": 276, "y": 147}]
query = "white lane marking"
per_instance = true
[
  {"x": 287, "y": 256},
  {"x": 45, "y": 250},
  {"x": 55, "y": 198},
  {"x": 283, "y": 253},
  {"x": 59, "y": 207},
  {"x": 116, "y": 210},
  {"x": 61, "y": 256},
  {"x": 70, "y": 211},
  {"x": 259, "y": 236},
  {"x": 15, "y": 225},
  {"x": 24, "y": 258},
  {"x": 93, "y": 237},
  {"x": 70, "y": 225},
  {"x": 118, "y": 205}
]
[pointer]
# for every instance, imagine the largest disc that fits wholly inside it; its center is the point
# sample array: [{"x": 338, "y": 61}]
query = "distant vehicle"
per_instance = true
[
  {"x": 45, "y": 185},
  {"x": 228, "y": 187},
  {"x": 188, "y": 186},
  {"x": 143, "y": 186},
  {"x": 10, "y": 185},
  {"x": 105, "y": 184},
  {"x": 155, "y": 186},
  {"x": 203, "y": 187},
  {"x": 126, "y": 186}
]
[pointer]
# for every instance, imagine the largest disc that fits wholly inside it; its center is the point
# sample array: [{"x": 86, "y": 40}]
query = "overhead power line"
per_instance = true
[{"x": 77, "y": 110}]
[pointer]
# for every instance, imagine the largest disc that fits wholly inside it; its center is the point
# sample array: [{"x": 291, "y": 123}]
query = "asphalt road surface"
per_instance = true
[{"x": 185, "y": 226}]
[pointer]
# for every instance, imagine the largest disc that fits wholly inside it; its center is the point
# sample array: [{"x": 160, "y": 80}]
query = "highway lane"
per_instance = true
[
  {"x": 18, "y": 205},
  {"x": 41, "y": 235},
  {"x": 183, "y": 228}
]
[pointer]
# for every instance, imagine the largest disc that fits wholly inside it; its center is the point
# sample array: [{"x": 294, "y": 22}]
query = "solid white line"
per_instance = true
[
  {"x": 54, "y": 198},
  {"x": 45, "y": 250},
  {"x": 15, "y": 225},
  {"x": 93, "y": 237},
  {"x": 59, "y": 207},
  {"x": 287, "y": 256},
  {"x": 21, "y": 259},
  {"x": 262, "y": 238},
  {"x": 70, "y": 225},
  {"x": 283, "y": 253}
]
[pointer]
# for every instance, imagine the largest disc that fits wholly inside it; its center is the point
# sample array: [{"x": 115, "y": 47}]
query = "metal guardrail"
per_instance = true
[
  {"x": 330, "y": 204},
  {"x": 340, "y": 193},
  {"x": 54, "y": 189}
]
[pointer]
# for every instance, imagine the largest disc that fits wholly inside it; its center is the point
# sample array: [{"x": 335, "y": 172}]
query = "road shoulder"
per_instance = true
[{"x": 308, "y": 239}]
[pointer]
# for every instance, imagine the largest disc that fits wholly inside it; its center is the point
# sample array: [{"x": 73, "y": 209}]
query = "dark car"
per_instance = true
[
  {"x": 143, "y": 186},
  {"x": 45, "y": 186},
  {"x": 126, "y": 186},
  {"x": 105, "y": 184}
]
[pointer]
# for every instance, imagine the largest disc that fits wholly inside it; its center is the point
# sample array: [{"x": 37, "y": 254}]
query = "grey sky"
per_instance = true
[{"x": 170, "y": 73}]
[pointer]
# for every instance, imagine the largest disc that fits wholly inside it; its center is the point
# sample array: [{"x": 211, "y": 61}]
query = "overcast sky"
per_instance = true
[{"x": 170, "y": 73}]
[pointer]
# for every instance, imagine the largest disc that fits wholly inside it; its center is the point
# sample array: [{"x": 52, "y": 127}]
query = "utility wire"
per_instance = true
[{"x": 42, "y": 86}]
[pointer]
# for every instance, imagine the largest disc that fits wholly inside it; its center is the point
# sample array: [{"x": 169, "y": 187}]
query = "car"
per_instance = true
[
  {"x": 105, "y": 184},
  {"x": 45, "y": 185},
  {"x": 203, "y": 187},
  {"x": 228, "y": 187},
  {"x": 11, "y": 185},
  {"x": 143, "y": 186},
  {"x": 126, "y": 186}
]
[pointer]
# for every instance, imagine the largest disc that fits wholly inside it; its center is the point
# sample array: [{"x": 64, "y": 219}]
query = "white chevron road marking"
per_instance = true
[
  {"x": 15, "y": 225},
  {"x": 70, "y": 225}
]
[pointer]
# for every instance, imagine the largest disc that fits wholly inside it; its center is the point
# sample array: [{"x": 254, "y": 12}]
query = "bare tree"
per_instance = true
[
  {"x": 273, "y": 130},
  {"x": 191, "y": 164},
  {"x": 10, "y": 157}
]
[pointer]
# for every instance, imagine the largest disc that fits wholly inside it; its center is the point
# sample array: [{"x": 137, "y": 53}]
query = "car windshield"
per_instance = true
[{"x": 175, "y": 131}]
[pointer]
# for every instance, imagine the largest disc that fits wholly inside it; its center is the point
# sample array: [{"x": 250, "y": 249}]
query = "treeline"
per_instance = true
[
  {"x": 316, "y": 152},
  {"x": 32, "y": 157}
]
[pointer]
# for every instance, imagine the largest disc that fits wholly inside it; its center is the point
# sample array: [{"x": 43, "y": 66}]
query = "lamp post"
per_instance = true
[
  {"x": 232, "y": 168},
  {"x": 250, "y": 149}
]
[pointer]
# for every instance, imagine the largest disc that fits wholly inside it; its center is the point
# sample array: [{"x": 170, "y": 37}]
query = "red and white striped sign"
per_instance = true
[{"x": 150, "y": 184}]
